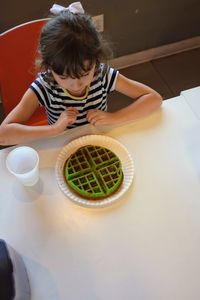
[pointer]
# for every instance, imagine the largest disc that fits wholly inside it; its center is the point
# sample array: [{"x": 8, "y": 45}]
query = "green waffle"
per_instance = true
[{"x": 93, "y": 172}]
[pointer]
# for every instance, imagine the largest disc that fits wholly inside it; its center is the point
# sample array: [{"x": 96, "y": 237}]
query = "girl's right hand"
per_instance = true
[{"x": 67, "y": 117}]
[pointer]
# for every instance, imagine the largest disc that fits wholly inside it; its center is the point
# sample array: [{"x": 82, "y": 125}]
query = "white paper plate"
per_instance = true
[{"x": 99, "y": 140}]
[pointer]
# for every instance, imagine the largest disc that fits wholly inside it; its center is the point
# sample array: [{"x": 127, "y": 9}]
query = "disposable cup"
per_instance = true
[{"x": 23, "y": 162}]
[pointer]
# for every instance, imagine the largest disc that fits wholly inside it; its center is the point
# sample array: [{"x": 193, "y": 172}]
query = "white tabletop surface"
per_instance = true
[
  {"x": 145, "y": 247},
  {"x": 192, "y": 97}
]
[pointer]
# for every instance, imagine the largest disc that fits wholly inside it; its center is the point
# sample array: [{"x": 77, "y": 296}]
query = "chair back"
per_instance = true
[{"x": 18, "y": 50}]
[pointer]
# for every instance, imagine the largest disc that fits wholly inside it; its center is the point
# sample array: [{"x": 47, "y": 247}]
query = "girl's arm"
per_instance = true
[
  {"x": 24, "y": 109},
  {"x": 13, "y": 131},
  {"x": 146, "y": 101}
]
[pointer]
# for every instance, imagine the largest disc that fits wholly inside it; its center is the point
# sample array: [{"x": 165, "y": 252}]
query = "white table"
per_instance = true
[
  {"x": 146, "y": 247},
  {"x": 192, "y": 97}
]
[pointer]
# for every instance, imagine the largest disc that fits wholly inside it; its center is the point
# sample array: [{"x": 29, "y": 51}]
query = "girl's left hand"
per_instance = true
[{"x": 99, "y": 117}]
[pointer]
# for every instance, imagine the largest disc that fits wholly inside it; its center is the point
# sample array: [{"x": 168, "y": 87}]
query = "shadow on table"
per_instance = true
[{"x": 41, "y": 281}]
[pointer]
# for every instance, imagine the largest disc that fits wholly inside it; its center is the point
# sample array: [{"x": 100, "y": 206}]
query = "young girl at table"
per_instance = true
[{"x": 73, "y": 82}]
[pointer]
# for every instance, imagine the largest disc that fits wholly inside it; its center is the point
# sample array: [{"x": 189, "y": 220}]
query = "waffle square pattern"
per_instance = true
[{"x": 94, "y": 172}]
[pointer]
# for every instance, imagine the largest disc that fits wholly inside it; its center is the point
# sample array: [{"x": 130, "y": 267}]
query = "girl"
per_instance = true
[{"x": 73, "y": 83}]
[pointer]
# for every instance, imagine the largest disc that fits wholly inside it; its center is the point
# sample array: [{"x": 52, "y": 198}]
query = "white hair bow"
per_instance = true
[{"x": 75, "y": 8}]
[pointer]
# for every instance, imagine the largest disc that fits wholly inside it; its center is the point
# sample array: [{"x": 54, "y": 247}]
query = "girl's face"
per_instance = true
[{"x": 75, "y": 86}]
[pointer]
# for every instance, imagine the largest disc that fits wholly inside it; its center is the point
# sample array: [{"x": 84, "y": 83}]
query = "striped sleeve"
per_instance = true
[
  {"x": 110, "y": 79},
  {"x": 40, "y": 90}
]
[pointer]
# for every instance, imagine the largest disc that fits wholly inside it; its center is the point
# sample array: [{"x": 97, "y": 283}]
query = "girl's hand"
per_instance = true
[
  {"x": 66, "y": 118},
  {"x": 99, "y": 117}
]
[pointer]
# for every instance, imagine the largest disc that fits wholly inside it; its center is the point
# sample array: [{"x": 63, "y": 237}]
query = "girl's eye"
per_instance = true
[
  {"x": 63, "y": 77},
  {"x": 84, "y": 75}
]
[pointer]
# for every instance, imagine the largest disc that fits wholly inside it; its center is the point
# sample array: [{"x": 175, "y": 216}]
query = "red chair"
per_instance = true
[{"x": 18, "y": 49}]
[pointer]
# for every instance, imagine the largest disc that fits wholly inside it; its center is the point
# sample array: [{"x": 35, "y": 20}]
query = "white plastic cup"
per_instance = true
[{"x": 23, "y": 162}]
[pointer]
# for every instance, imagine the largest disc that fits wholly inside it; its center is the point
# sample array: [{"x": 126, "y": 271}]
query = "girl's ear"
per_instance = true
[
  {"x": 49, "y": 75},
  {"x": 49, "y": 71},
  {"x": 103, "y": 69},
  {"x": 97, "y": 68}
]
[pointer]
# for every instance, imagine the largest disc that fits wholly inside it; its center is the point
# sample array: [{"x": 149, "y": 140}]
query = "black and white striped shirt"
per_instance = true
[{"x": 56, "y": 100}]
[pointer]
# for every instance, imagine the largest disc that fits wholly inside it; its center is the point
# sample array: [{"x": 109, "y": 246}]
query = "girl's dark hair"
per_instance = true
[{"x": 67, "y": 41}]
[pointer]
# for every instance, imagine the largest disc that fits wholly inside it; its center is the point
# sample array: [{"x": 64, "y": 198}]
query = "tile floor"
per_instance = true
[{"x": 169, "y": 76}]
